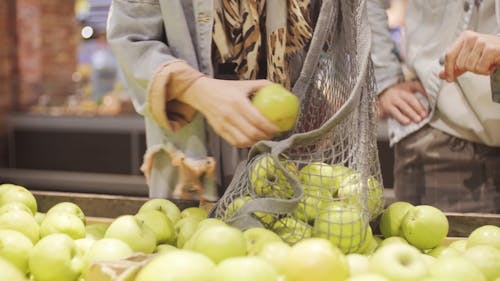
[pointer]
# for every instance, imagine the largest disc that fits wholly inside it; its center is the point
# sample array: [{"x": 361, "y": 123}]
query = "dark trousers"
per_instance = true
[{"x": 455, "y": 175}]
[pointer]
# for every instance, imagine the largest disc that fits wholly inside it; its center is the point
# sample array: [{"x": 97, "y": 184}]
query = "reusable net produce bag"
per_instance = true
[{"x": 323, "y": 178}]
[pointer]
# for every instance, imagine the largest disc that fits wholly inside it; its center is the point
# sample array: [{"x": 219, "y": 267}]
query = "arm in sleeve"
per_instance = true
[{"x": 386, "y": 65}]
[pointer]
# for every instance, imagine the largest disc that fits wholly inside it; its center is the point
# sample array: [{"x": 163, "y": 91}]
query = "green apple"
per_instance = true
[
  {"x": 456, "y": 269},
  {"x": 358, "y": 264},
  {"x": 278, "y": 105},
  {"x": 61, "y": 222},
  {"x": 106, "y": 249},
  {"x": 487, "y": 259},
  {"x": 250, "y": 268},
  {"x": 351, "y": 191},
  {"x": 314, "y": 200},
  {"x": 181, "y": 265},
  {"x": 425, "y": 227},
  {"x": 258, "y": 237},
  {"x": 429, "y": 260},
  {"x": 163, "y": 205},
  {"x": 392, "y": 240},
  {"x": 236, "y": 204},
  {"x": 209, "y": 222},
  {"x": 15, "y": 206},
  {"x": 68, "y": 207},
  {"x": 16, "y": 248},
  {"x": 392, "y": 217},
  {"x": 21, "y": 221},
  {"x": 194, "y": 212},
  {"x": 219, "y": 242},
  {"x": 368, "y": 277},
  {"x": 15, "y": 193},
  {"x": 443, "y": 251},
  {"x": 276, "y": 254},
  {"x": 399, "y": 262},
  {"x": 185, "y": 228},
  {"x": 55, "y": 257},
  {"x": 459, "y": 245},
  {"x": 266, "y": 179},
  {"x": 39, "y": 217},
  {"x": 161, "y": 225},
  {"x": 165, "y": 248},
  {"x": 369, "y": 244},
  {"x": 316, "y": 259},
  {"x": 344, "y": 227},
  {"x": 292, "y": 230},
  {"x": 95, "y": 230},
  {"x": 324, "y": 175},
  {"x": 134, "y": 232},
  {"x": 83, "y": 245},
  {"x": 485, "y": 235},
  {"x": 10, "y": 272}
]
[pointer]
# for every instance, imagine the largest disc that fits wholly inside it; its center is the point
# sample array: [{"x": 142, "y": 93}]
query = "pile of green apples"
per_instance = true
[
  {"x": 60, "y": 245},
  {"x": 334, "y": 204}
]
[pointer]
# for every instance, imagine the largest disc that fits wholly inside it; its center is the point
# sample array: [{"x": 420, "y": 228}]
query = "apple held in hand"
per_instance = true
[
  {"x": 399, "y": 262},
  {"x": 178, "y": 265},
  {"x": 245, "y": 269},
  {"x": 258, "y": 237},
  {"x": 266, "y": 179},
  {"x": 219, "y": 242},
  {"x": 15, "y": 193},
  {"x": 67, "y": 207},
  {"x": 485, "y": 235},
  {"x": 160, "y": 224},
  {"x": 134, "y": 232},
  {"x": 21, "y": 221},
  {"x": 9, "y": 272},
  {"x": 316, "y": 259},
  {"x": 278, "y": 105},
  {"x": 163, "y": 205},
  {"x": 61, "y": 222},
  {"x": 55, "y": 257},
  {"x": 425, "y": 227},
  {"x": 16, "y": 248},
  {"x": 392, "y": 217}
]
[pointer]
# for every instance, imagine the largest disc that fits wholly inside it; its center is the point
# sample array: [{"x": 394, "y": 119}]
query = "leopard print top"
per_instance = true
[{"x": 238, "y": 37}]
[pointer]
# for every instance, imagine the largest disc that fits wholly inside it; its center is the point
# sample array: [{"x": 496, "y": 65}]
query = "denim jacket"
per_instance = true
[{"x": 431, "y": 26}]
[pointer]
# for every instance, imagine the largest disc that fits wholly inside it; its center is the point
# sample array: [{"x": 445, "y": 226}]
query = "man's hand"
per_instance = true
[
  {"x": 227, "y": 107},
  {"x": 399, "y": 102},
  {"x": 475, "y": 52}
]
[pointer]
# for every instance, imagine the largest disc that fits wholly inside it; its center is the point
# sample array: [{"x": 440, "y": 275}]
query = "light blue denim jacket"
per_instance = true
[{"x": 431, "y": 27}]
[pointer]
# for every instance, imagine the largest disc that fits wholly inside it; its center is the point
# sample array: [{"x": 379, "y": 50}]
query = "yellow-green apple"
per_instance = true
[
  {"x": 16, "y": 248},
  {"x": 485, "y": 235},
  {"x": 61, "y": 222},
  {"x": 429, "y": 260},
  {"x": 15, "y": 193},
  {"x": 487, "y": 259},
  {"x": 68, "y": 207},
  {"x": 344, "y": 227},
  {"x": 276, "y": 254},
  {"x": 96, "y": 230},
  {"x": 314, "y": 200},
  {"x": 324, "y": 175},
  {"x": 278, "y": 105},
  {"x": 194, "y": 212},
  {"x": 165, "y": 248},
  {"x": 266, "y": 179},
  {"x": 83, "y": 245},
  {"x": 185, "y": 228},
  {"x": 236, "y": 204},
  {"x": 10, "y": 272},
  {"x": 368, "y": 277},
  {"x": 456, "y": 269},
  {"x": 358, "y": 264},
  {"x": 292, "y": 230},
  {"x": 15, "y": 206},
  {"x": 369, "y": 244},
  {"x": 180, "y": 265},
  {"x": 219, "y": 242},
  {"x": 459, "y": 245},
  {"x": 316, "y": 259},
  {"x": 163, "y": 205},
  {"x": 209, "y": 222},
  {"x": 258, "y": 237},
  {"x": 351, "y": 191},
  {"x": 443, "y": 251},
  {"x": 161, "y": 225},
  {"x": 55, "y": 257},
  {"x": 134, "y": 232},
  {"x": 21, "y": 221},
  {"x": 392, "y": 217},
  {"x": 250, "y": 268},
  {"x": 39, "y": 217},
  {"x": 399, "y": 262},
  {"x": 425, "y": 227},
  {"x": 392, "y": 240},
  {"x": 106, "y": 249}
]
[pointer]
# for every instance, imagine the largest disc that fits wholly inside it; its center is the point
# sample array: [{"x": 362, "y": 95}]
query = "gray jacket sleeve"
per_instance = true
[
  {"x": 136, "y": 35},
  {"x": 386, "y": 65}
]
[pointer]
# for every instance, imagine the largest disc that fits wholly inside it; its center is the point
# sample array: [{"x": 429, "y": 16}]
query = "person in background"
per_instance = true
[
  {"x": 191, "y": 67},
  {"x": 445, "y": 133}
]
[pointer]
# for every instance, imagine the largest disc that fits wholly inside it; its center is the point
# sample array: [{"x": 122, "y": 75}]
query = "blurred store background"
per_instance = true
[{"x": 66, "y": 122}]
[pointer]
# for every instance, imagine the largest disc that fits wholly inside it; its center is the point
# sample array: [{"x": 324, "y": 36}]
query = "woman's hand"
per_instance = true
[
  {"x": 475, "y": 52},
  {"x": 399, "y": 102},
  {"x": 228, "y": 109}
]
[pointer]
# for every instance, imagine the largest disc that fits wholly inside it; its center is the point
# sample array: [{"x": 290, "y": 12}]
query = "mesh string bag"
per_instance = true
[{"x": 323, "y": 178}]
